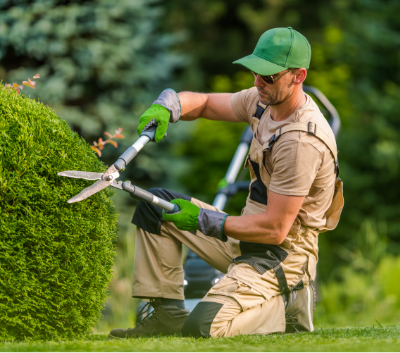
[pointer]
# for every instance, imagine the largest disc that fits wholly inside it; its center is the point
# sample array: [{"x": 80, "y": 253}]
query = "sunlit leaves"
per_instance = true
[
  {"x": 112, "y": 143},
  {"x": 15, "y": 86},
  {"x": 29, "y": 83},
  {"x": 99, "y": 145},
  {"x": 96, "y": 150}
]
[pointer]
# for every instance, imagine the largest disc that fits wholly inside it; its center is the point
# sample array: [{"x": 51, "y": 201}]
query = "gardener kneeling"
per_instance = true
[{"x": 269, "y": 253}]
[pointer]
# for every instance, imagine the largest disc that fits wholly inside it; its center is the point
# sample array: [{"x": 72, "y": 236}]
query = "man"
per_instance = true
[{"x": 269, "y": 253}]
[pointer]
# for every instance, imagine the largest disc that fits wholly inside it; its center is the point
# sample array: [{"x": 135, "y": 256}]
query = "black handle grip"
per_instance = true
[{"x": 150, "y": 130}]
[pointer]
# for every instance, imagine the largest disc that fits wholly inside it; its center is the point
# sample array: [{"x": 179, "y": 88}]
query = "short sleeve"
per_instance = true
[
  {"x": 295, "y": 164},
  {"x": 244, "y": 103}
]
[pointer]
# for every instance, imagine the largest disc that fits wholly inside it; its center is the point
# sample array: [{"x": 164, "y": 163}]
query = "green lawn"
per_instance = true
[{"x": 346, "y": 339}]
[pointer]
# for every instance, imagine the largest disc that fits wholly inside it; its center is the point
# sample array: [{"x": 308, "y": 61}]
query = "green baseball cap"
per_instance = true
[{"x": 276, "y": 50}]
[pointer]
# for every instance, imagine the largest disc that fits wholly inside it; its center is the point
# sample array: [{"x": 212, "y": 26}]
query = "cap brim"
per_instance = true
[{"x": 259, "y": 66}]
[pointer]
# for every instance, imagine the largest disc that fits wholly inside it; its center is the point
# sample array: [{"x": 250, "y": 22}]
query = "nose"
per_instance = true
[{"x": 258, "y": 81}]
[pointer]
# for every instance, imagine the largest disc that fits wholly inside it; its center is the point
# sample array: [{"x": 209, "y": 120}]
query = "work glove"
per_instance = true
[
  {"x": 165, "y": 109},
  {"x": 192, "y": 218}
]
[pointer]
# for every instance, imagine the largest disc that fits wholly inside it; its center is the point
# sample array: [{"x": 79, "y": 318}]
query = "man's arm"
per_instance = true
[
  {"x": 170, "y": 107},
  {"x": 212, "y": 106},
  {"x": 270, "y": 227}
]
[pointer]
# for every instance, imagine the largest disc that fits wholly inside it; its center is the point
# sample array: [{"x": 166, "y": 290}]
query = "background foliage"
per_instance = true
[
  {"x": 102, "y": 63},
  {"x": 56, "y": 259}
]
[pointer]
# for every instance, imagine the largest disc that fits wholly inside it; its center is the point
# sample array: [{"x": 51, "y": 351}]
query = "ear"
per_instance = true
[{"x": 299, "y": 76}]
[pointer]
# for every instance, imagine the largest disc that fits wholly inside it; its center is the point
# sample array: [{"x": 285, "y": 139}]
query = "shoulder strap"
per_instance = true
[
  {"x": 260, "y": 111},
  {"x": 312, "y": 129}
]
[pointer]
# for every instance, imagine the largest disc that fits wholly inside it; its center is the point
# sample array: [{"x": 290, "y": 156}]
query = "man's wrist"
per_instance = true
[
  {"x": 170, "y": 100},
  {"x": 223, "y": 237},
  {"x": 211, "y": 223}
]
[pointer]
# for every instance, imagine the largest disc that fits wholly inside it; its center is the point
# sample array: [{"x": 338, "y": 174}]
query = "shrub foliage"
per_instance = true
[{"x": 55, "y": 258}]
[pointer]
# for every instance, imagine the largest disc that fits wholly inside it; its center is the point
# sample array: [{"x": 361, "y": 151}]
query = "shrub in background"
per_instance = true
[
  {"x": 366, "y": 291},
  {"x": 55, "y": 258},
  {"x": 361, "y": 299}
]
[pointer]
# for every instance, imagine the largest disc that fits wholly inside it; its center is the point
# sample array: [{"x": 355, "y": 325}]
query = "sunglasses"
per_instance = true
[{"x": 270, "y": 78}]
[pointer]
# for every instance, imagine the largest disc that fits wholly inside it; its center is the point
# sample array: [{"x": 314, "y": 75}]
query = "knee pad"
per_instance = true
[
  {"x": 148, "y": 216},
  {"x": 198, "y": 324}
]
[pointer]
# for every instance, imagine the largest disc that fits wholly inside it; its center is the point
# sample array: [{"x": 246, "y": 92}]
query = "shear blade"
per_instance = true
[
  {"x": 89, "y": 191},
  {"x": 80, "y": 175}
]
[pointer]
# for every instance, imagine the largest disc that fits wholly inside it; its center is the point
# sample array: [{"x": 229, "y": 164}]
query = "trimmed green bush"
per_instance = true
[{"x": 55, "y": 258}]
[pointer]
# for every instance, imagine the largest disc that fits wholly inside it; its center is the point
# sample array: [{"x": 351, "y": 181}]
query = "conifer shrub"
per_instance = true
[{"x": 55, "y": 258}]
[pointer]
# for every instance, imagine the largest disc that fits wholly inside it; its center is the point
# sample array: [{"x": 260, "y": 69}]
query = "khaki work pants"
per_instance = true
[{"x": 242, "y": 302}]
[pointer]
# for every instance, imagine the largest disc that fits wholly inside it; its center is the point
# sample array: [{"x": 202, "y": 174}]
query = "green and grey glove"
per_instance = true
[
  {"x": 192, "y": 218},
  {"x": 165, "y": 109}
]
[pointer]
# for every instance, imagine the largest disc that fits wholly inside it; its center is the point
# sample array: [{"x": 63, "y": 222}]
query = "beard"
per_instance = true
[
  {"x": 275, "y": 98},
  {"x": 269, "y": 99}
]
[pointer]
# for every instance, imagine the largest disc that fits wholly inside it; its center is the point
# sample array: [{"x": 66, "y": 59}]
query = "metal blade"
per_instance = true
[
  {"x": 106, "y": 179},
  {"x": 81, "y": 175},
  {"x": 85, "y": 193},
  {"x": 109, "y": 171}
]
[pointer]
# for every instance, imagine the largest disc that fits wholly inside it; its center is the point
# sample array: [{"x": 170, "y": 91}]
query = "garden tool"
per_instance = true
[{"x": 109, "y": 178}]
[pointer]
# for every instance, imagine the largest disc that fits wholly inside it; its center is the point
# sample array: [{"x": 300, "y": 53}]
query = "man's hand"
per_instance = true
[
  {"x": 192, "y": 218},
  {"x": 161, "y": 115},
  {"x": 166, "y": 108},
  {"x": 186, "y": 218}
]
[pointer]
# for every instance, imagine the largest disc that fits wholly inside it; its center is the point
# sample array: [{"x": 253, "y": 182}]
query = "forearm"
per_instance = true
[
  {"x": 212, "y": 106},
  {"x": 192, "y": 105},
  {"x": 255, "y": 228},
  {"x": 270, "y": 227}
]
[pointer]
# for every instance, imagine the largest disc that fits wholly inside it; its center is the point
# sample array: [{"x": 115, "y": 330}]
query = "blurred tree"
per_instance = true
[
  {"x": 364, "y": 37},
  {"x": 102, "y": 63}
]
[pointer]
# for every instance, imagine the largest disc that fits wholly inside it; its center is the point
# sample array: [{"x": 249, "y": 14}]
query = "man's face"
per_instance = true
[{"x": 276, "y": 93}]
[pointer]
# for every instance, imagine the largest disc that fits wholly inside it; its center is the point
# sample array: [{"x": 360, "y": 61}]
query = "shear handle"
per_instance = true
[
  {"x": 131, "y": 152},
  {"x": 143, "y": 195}
]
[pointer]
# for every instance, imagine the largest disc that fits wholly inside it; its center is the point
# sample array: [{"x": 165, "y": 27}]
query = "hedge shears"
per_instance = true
[{"x": 109, "y": 178}]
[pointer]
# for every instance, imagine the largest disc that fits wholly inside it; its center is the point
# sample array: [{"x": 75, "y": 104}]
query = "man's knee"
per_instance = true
[
  {"x": 199, "y": 322},
  {"x": 148, "y": 216}
]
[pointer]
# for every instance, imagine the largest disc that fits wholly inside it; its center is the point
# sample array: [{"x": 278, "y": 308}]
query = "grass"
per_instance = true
[
  {"x": 360, "y": 298},
  {"x": 322, "y": 340}
]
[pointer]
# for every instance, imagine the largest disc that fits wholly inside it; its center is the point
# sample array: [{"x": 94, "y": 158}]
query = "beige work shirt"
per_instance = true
[{"x": 299, "y": 164}]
